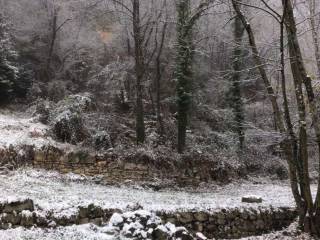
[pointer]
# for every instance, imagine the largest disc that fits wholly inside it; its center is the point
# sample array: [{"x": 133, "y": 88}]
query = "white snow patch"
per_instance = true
[
  {"x": 116, "y": 219},
  {"x": 17, "y": 130}
]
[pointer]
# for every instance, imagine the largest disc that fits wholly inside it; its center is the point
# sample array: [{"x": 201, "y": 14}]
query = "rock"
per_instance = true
[
  {"x": 95, "y": 211},
  {"x": 84, "y": 221},
  {"x": 27, "y": 218},
  {"x": 201, "y": 216},
  {"x": 97, "y": 221},
  {"x": 183, "y": 234},
  {"x": 160, "y": 233},
  {"x": 251, "y": 199},
  {"x": 83, "y": 212},
  {"x": 200, "y": 236},
  {"x": 12, "y": 218},
  {"x": 116, "y": 220},
  {"x": 185, "y": 217},
  {"x": 18, "y": 206}
]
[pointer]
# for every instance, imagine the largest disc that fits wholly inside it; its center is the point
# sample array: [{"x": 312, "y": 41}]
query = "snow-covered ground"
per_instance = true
[
  {"x": 80, "y": 232},
  {"x": 92, "y": 232},
  {"x": 17, "y": 129},
  {"x": 63, "y": 193}
]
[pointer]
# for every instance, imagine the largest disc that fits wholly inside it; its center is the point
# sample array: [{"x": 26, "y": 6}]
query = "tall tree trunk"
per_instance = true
[
  {"x": 139, "y": 71},
  {"x": 158, "y": 79},
  {"x": 311, "y": 220},
  {"x": 185, "y": 49},
  {"x": 273, "y": 99},
  {"x": 237, "y": 103},
  {"x": 315, "y": 38},
  {"x": 290, "y": 132},
  {"x": 184, "y": 70},
  {"x": 52, "y": 42}
]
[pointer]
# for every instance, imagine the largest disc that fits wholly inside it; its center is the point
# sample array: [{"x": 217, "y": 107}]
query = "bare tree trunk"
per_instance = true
[
  {"x": 291, "y": 135},
  {"x": 236, "y": 101},
  {"x": 139, "y": 70},
  {"x": 158, "y": 80},
  {"x": 52, "y": 42},
  {"x": 185, "y": 24},
  {"x": 273, "y": 99},
  {"x": 184, "y": 71},
  {"x": 311, "y": 221},
  {"x": 315, "y": 38}
]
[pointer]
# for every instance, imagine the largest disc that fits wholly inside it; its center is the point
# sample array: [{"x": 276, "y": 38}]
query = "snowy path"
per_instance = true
[{"x": 64, "y": 193}]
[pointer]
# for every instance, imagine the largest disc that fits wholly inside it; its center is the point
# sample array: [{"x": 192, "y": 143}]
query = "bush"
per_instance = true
[
  {"x": 101, "y": 140},
  {"x": 69, "y": 127},
  {"x": 66, "y": 118}
]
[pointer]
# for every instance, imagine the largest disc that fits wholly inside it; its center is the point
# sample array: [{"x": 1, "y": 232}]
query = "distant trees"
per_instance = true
[{"x": 145, "y": 21}]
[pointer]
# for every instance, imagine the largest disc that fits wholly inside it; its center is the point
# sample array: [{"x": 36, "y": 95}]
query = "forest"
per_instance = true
[{"x": 159, "y": 119}]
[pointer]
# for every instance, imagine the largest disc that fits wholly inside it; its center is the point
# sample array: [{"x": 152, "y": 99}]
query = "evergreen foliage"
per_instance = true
[{"x": 15, "y": 79}]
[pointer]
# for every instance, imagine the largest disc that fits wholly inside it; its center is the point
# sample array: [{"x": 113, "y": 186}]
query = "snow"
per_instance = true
[
  {"x": 17, "y": 130},
  {"x": 116, "y": 219},
  {"x": 53, "y": 191},
  {"x": 88, "y": 232},
  {"x": 201, "y": 236},
  {"x": 62, "y": 194}
]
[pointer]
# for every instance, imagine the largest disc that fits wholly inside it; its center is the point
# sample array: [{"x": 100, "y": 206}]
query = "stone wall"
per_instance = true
[
  {"x": 225, "y": 223},
  {"x": 81, "y": 162},
  {"x": 116, "y": 169},
  {"x": 233, "y": 223}
]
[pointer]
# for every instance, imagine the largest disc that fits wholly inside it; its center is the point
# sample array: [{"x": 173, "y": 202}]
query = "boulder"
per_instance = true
[
  {"x": 17, "y": 206},
  {"x": 251, "y": 199}
]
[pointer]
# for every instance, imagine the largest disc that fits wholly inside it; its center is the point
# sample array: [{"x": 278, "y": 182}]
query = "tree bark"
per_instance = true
[
  {"x": 315, "y": 38},
  {"x": 185, "y": 24},
  {"x": 184, "y": 70},
  {"x": 158, "y": 79},
  {"x": 300, "y": 77},
  {"x": 52, "y": 42},
  {"x": 237, "y": 103},
  {"x": 139, "y": 71},
  {"x": 273, "y": 99}
]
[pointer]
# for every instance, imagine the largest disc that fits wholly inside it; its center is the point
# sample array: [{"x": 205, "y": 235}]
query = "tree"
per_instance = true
[
  {"x": 236, "y": 98},
  {"x": 185, "y": 51},
  {"x": 315, "y": 37},
  {"x": 311, "y": 210},
  {"x": 144, "y": 27},
  {"x": 9, "y": 73},
  {"x": 139, "y": 70},
  {"x": 294, "y": 147}
]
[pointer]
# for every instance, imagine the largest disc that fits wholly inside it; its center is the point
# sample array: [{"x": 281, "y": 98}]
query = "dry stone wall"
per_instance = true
[
  {"x": 233, "y": 223},
  {"x": 115, "y": 169},
  {"x": 225, "y": 223}
]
